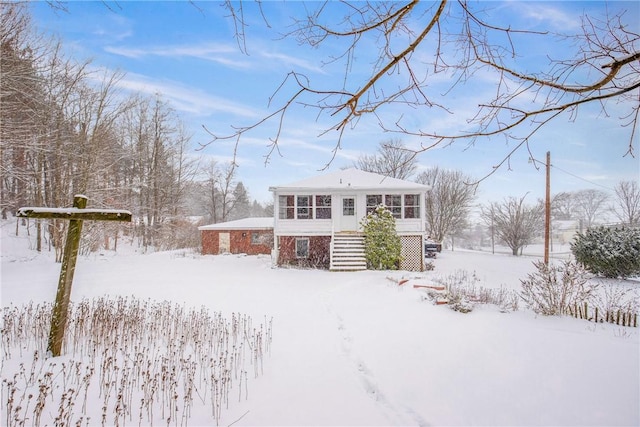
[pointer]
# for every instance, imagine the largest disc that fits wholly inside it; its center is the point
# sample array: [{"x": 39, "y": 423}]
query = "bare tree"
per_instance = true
[
  {"x": 19, "y": 95},
  {"x": 212, "y": 174},
  {"x": 515, "y": 223},
  {"x": 220, "y": 187},
  {"x": 65, "y": 129},
  {"x": 392, "y": 159},
  {"x": 226, "y": 185},
  {"x": 417, "y": 44},
  {"x": 589, "y": 205},
  {"x": 156, "y": 145},
  {"x": 563, "y": 206},
  {"x": 448, "y": 202},
  {"x": 627, "y": 207}
]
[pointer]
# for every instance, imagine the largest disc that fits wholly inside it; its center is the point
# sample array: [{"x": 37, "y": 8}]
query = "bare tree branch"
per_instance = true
[{"x": 459, "y": 42}]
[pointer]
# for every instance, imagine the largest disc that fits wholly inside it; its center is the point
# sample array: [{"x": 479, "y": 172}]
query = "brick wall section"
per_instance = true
[
  {"x": 210, "y": 242},
  {"x": 318, "y": 252},
  {"x": 240, "y": 242}
]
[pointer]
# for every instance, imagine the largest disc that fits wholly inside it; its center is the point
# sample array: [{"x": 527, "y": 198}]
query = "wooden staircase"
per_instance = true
[{"x": 347, "y": 252}]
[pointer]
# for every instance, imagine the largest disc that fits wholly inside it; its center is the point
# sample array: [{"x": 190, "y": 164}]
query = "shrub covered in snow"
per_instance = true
[
  {"x": 552, "y": 288},
  {"x": 381, "y": 243},
  {"x": 463, "y": 290},
  {"x": 609, "y": 252},
  {"x": 613, "y": 298}
]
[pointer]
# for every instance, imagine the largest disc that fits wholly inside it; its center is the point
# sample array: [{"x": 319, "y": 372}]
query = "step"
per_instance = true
[
  {"x": 348, "y": 253},
  {"x": 349, "y": 260},
  {"x": 348, "y": 267},
  {"x": 341, "y": 251}
]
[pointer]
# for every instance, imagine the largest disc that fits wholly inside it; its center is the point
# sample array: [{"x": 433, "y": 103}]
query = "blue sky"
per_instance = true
[{"x": 188, "y": 54}]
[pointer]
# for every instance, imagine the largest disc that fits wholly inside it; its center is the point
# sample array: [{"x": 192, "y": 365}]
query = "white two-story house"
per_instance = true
[{"x": 318, "y": 220}]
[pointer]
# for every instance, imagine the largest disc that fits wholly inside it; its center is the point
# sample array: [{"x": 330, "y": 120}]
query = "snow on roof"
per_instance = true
[
  {"x": 242, "y": 224},
  {"x": 351, "y": 178}
]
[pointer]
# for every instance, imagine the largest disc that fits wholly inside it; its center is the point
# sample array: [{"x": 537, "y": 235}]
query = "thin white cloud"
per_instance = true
[
  {"x": 304, "y": 144},
  {"x": 293, "y": 61},
  {"x": 597, "y": 177},
  {"x": 197, "y": 51},
  {"x": 546, "y": 12},
  {"x": 224, "y": 54},
  {"x": 185, "y": 98},
  {"x": 121, "y": 35}
]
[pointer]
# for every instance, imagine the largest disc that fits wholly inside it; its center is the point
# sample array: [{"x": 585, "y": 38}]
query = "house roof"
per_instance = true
[
  {"x": 352, "y": 179},
  {"x": 256, "y": 223}
]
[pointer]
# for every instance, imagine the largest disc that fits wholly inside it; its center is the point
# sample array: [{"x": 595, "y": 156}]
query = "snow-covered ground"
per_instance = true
[{"x": 357, "y": 349}]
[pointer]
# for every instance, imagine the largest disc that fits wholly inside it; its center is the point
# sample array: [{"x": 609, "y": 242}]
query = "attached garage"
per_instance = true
[{"x": 251, "y": 236}]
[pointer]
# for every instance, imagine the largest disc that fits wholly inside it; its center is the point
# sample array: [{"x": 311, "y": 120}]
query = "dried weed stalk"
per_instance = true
[{"x": 126, "y": 362}]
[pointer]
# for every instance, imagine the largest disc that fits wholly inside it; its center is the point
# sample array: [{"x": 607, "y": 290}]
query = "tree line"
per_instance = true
[
  {"x": 68, "y": 128},
  {"x": 512, "y": 221}
]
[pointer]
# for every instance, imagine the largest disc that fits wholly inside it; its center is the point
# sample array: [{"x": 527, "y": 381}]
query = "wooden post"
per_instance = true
[
  {"x": 586, "y": 311},
  {"x": 63, "y": 295},
  {"x": 547, "y": 211}
]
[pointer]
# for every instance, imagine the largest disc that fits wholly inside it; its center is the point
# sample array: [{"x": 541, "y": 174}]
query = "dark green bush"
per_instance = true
[
  {"x": 382, "y": 245},
  {"x": 609, "y": 252}
]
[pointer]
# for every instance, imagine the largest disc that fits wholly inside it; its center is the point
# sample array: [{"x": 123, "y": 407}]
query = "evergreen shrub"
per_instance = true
[
  {"x": 382, "y": 245},
  {"x": 609, "y": 252}
]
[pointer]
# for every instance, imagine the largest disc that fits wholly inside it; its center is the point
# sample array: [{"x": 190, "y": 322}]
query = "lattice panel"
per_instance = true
[{"x": 411, "y": 253}]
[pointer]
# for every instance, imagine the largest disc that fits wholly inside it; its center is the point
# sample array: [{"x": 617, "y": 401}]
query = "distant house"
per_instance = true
[
  {"x": 318, "y": 220},
  {"x": 250, "y": 236}
]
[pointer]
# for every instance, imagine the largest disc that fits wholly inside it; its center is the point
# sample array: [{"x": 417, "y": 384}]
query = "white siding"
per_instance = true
[
  {"x": 294, "y": 227},
  {"x": 318, "y": 227}
]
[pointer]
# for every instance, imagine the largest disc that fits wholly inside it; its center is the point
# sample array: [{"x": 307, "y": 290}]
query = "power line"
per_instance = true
[{"x": 582, "y": 179}]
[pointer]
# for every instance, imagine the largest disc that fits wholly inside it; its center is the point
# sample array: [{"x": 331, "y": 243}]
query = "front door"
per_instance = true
[
  {"x": 348, "y": 218},
  {"x": 224, "y": 243}
]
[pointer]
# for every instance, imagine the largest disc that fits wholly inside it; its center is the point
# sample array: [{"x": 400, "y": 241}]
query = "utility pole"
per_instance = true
[{"x": 547, "y": 211}]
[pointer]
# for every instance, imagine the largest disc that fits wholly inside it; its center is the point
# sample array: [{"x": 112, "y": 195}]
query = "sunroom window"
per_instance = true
[
  {"x": 323, "y": 207},
  {"x": 373, "y": 200},
  {"x": 305, "y": 207},
  {"x": 286, "y": 207},
  {"x": 412, "y": 206},
  {"x": 393, "y": 202}
]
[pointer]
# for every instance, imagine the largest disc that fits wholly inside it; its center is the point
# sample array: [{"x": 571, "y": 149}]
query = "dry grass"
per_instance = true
[{"x": 144, "y": 362}]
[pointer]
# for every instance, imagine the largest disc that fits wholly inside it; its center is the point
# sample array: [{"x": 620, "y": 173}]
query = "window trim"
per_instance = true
[
  {"x": 416, "y": 207},
  {"x": 284, "y": 210},
  {"x": 322, "y": 204},
  {"x": 301, "y": 207},
  {"x": 352, "y": 208},
  {"x": 370, "y": 208},
  {"x": 294, "y": 206},
  {"x": 400, "y": 210},
  {"x": 395, "y": 209},
  {"x": 256, "y": 238},
  {"x": 297, "y": 249}
]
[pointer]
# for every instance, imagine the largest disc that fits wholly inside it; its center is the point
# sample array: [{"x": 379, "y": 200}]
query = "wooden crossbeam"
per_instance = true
[{"x": 76, "y": 215}]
